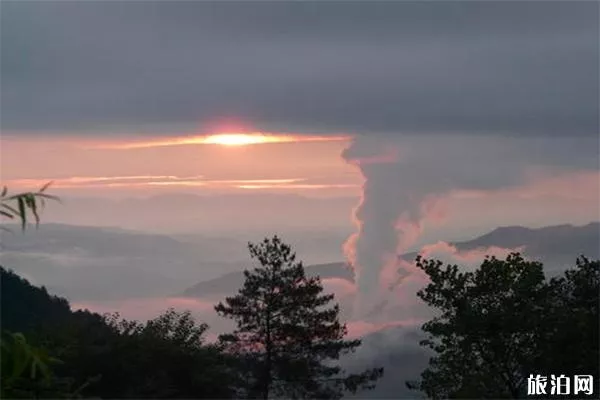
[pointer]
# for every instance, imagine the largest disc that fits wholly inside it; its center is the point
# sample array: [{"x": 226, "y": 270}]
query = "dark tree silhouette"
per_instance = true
[
  {"x": 103, "y": 356},
  {"x": 288, "y": 334},
  {"x": 505, "y": 321}
]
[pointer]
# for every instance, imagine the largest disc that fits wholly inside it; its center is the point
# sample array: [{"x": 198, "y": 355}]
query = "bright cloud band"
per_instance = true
[
  {"x": 225, "y": 139},
  {"x": 168, "y": 180}
]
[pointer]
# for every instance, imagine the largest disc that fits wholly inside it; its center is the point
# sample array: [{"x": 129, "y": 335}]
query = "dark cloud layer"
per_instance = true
[{"x": 508, "y": 68}]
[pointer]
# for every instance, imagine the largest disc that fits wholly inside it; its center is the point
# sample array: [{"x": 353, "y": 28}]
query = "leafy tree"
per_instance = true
[
  {"x": 571, "y": 328},
  {"x": 166, "y": 357},
  {"x": 26, "y": 308},
  {"x": 22, "y": 364},
  {"x": 28, "y": 371},
  {"x": 103, "y": 356},
  {"x": 288, "y": 336},
  {"x": 505, "y": 321}
]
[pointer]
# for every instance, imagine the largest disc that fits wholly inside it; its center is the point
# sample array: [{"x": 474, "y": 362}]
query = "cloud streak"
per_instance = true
[
  {"x": 315, "y": 186},
  {"x": 102, "y": 181},
  {"x": 170, "y": 180},
  {"x": 221, "y": 139}
]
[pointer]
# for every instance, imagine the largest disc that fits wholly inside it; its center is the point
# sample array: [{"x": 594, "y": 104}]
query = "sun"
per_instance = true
[{"x": 236, "y": 139}]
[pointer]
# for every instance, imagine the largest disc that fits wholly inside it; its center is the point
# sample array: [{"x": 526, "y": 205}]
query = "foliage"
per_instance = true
[
  {"x": 572, "y": 323},
  {"x": 505, "y": 321},
  {"x": 21, "y": 361},
  {"x": 26, "y": 369},
  {"x": 109, "y": 357},
  {"x": 166, "y": 357},
  {"x": 26, "y": 308},
  {"x": 27, "y": 373},
  {"x": 288, "y": 337},
  {"x": 19, "y": 206}
]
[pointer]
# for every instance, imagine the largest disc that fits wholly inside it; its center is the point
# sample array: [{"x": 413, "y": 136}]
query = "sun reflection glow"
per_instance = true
[
  {"x": 224, "y": 139},
  {"x": 241, "y": 139}
]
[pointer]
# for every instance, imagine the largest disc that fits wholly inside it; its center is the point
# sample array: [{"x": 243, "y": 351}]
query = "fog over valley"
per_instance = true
[{"x": 141, "y": 274}]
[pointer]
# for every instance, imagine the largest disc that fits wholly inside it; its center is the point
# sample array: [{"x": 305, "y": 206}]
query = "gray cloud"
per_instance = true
[{"x": 507, "y": 68}]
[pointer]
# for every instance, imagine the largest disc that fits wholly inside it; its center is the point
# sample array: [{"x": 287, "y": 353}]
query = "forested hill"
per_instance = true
[
  {"x": 27, "y": 308},
  {"x": 105, "y": 357}
]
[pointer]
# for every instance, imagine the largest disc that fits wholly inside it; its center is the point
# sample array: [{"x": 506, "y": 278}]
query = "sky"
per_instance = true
[
  {"x": 117, "y": 98},
  {"x": 405, "y": 122}
]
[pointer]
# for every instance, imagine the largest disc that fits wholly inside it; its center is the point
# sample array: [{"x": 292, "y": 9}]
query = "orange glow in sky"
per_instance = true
[
  {"x": 225, "y": 139},
  {"x": 240, "y": 139}
]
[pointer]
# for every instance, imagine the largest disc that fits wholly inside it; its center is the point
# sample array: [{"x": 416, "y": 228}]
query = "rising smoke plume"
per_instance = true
[
  {"x": 387, "y": 218},
  {"x": 403, "y": 179}
]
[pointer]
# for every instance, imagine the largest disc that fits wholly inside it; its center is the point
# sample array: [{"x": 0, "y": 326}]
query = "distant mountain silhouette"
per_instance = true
[
  {"x": 554, "y": 245},
  {"x": 231, "y": 282},
  {"x": 557, "y": 246},
  {"x": 105, "y": 263},
  {"x": 95, "y": 263},
  {"x": 218, "y": 214},
  {"x": 95, "y": 241},
  {"x": 557, "y": 239}
]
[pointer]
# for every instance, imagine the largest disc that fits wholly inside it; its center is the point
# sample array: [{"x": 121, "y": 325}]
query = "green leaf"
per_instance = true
[
  {"x": 43, "y": 189},
  {"x": 25, "y": 202},
  {"x": 22, "y": 212},
  {"x": 6, "y": 214},
  {"x": 10, "y": 209}
]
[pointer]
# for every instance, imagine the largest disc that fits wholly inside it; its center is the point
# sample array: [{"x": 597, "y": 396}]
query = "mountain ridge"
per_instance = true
[{"x": 540, "y": 243}]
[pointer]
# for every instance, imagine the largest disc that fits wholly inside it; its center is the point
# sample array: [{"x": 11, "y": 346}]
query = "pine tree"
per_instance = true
[{"x": 288, "y": 334}]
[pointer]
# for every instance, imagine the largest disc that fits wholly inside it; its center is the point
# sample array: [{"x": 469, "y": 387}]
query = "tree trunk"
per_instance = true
[{"x": 268, "y": 361}]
